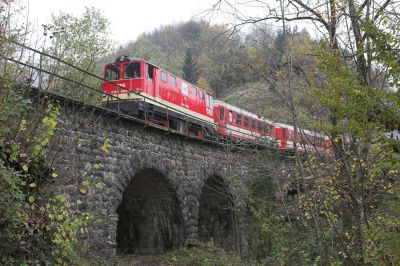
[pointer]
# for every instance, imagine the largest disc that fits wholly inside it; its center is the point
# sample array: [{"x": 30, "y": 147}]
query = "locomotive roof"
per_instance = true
[{"x": 124, "y": 58}]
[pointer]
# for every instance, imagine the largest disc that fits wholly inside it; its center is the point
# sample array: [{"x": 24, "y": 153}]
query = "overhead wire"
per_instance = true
[{"x": 251, "y": 136}]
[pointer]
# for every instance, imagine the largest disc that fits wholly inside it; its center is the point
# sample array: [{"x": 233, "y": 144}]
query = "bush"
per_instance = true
[{"x": 202, "y": 254}]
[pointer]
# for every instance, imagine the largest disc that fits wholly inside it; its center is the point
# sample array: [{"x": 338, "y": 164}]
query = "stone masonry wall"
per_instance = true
[{"x": 183, "y": 164}]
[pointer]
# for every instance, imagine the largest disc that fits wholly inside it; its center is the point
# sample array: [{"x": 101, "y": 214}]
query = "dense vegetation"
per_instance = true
[
  {"x": 345, "y": 210},
  {"x": 37, "y": 226}
]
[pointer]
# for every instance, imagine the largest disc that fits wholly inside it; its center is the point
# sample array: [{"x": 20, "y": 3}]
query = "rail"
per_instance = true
[{"x": 255, "y": 141}]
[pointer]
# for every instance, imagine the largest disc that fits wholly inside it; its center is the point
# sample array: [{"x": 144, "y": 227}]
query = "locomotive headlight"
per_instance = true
[{"x": 137, "y": 91}]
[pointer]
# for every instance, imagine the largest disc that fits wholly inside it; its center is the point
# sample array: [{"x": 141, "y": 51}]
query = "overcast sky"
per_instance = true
[{"x": 129, "y": 18}]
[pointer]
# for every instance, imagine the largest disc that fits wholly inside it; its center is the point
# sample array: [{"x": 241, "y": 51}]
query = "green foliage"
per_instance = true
[
  {"x": 33, "y": 228},
  {"x": 80, "y": 41},
  {"x": 215, "y": 50},
  {"x": 383, "y": 237},
  {"x": 64, "y": 225},
  {"x": 14, "y": 107},
  {"x": 190, "y": 69},
  {"x": 145, "y": 49},
  {"x": 202, "y": 255},
  {"x": 50, "y": 123},
  {"x": 12, "y": 213},
  {"x": 106, "y": 146}
]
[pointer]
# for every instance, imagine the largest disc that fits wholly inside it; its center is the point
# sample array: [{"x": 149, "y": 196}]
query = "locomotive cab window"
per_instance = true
[
  {"x": 222, "y": 113},
  {"x": 163, "y": 76},
  {"x": 132, "y": 71},
  {"x": 112, "y": 72},
  {"x": 150, "y": 72}
]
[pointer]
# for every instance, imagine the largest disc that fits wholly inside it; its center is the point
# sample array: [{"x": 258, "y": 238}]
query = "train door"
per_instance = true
[
  {"x": 150, "y": 79},
  {"x": 220, "y": 115},
  {"x": 281, "y": 134},
  {"x": 209, "y": 104}
]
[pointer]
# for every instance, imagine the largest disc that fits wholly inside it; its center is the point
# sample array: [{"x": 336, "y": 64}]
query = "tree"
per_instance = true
[
  {"x": 203, "y": 84},
  {"x": 190, "y": 69},
  {"x": 81, "y": 41},
  {"x": 355, "y": 60}
]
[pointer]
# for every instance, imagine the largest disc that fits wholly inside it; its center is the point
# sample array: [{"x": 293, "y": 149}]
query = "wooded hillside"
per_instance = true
[{"x": 317, "y": 209}]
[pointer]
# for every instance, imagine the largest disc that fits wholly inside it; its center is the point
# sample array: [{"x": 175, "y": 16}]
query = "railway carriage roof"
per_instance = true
[
  {"x": 241, "y": 111},
  {"x": 306, "y": 131}
]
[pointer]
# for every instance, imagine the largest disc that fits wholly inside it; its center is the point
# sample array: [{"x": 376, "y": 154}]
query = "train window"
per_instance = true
[
  {"x": 238, "y": 119},
  {"x": 266, "y": 128},
  {"x": 246, "y": 121},
  {"x": 173, "y": 81},
  {"x": 132, "y": 71},
  {"x": 222, "y": 113},
  {"x": 112, "y": 72},
  {"x": 150, "y": 72},
  {"x": 230, "y": 116},
  {"x": 271, "y": 130},
  {"x": 253, "y": 123},
  {"x": 163, "y": 76},
  {"x": 201, "y": 94},
  {"x": 185, "y": 89},
  {"x": 284, "y": 133},
  {"x": 194, "y": 91}
]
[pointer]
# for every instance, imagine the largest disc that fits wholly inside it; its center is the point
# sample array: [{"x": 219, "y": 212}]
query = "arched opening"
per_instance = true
[
  {"x": 149, "y": 217},
  {"x": 217, "y": 219}
]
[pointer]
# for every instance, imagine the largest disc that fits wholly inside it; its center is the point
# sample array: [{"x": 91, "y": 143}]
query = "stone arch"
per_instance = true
[
  {"x": 149, "y": 216},
  {"x": 217, "y": 215}
]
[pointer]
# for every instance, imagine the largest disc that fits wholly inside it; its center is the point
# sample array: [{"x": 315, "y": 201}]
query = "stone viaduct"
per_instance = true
[{"x": 150, "y": 190}]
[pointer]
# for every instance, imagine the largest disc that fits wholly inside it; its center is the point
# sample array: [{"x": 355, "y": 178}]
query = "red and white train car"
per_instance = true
[
  {"x": 142, "y": 87},
  {"x": 307, "y": 141},
  {"x": 238, "y": 123}
]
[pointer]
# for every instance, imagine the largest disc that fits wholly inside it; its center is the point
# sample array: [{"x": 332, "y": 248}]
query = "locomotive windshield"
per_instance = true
[
  {"x": 112, "y": 72},
  {"x": 132, "y": 71}
]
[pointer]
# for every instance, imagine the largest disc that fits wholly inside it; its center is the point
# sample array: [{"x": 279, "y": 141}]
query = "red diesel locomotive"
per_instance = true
[
  {"x": 142, "y": 89},
  {"x": 145, "y": 89}
]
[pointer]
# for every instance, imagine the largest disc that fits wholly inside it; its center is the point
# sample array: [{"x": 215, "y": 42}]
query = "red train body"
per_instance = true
[
  {"x": 307, "y": 141},
  {"x": 238, "y": 123},
  {"x": 143, "y": 89}
]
